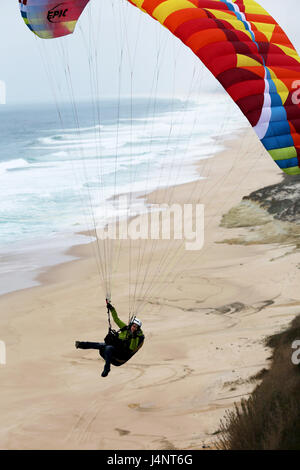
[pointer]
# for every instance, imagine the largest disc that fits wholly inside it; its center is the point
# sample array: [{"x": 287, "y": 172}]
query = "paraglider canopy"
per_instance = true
[{"x": 52, "y": 19}]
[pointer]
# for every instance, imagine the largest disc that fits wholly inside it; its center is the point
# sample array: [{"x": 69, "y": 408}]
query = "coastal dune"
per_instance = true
[{"x": 204, "y": 327}]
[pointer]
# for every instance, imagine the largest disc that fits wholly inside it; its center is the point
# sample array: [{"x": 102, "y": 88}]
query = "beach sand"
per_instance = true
[{"x": 204, "y": 332}]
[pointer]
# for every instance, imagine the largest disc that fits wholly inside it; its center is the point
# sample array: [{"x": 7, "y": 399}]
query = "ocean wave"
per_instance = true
[
  {"x": 10, "y": 165},
  {"x": 75, "y": 130}
]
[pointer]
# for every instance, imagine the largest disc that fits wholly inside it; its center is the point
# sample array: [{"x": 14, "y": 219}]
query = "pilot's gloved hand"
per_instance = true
[{"x": 109, "y": 306}]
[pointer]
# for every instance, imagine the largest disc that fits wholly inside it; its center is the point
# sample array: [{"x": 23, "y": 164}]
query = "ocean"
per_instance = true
[{"x": 61, "y": 169}]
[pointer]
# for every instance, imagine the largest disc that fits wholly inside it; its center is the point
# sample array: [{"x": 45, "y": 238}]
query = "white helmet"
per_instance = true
[{"x": 137, "y": 322}]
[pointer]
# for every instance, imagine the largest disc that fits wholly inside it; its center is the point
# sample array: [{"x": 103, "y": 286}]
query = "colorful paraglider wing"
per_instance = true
[
  {"x": 50, "y": 18},
  {"x": 251, "y": 56},
  {"x": 237, "y": 40}
]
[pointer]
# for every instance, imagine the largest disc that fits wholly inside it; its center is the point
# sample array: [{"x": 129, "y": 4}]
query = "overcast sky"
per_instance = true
[{"x": 22, "y": 53}]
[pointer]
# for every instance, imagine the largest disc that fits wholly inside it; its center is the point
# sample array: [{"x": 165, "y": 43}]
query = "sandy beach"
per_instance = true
[{"x": 204, "y": 331}]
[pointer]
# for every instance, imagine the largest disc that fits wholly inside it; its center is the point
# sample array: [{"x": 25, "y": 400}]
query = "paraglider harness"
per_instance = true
[
  {"x": 112, "y": 337},
  {"x": 122, "y": 347}
]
